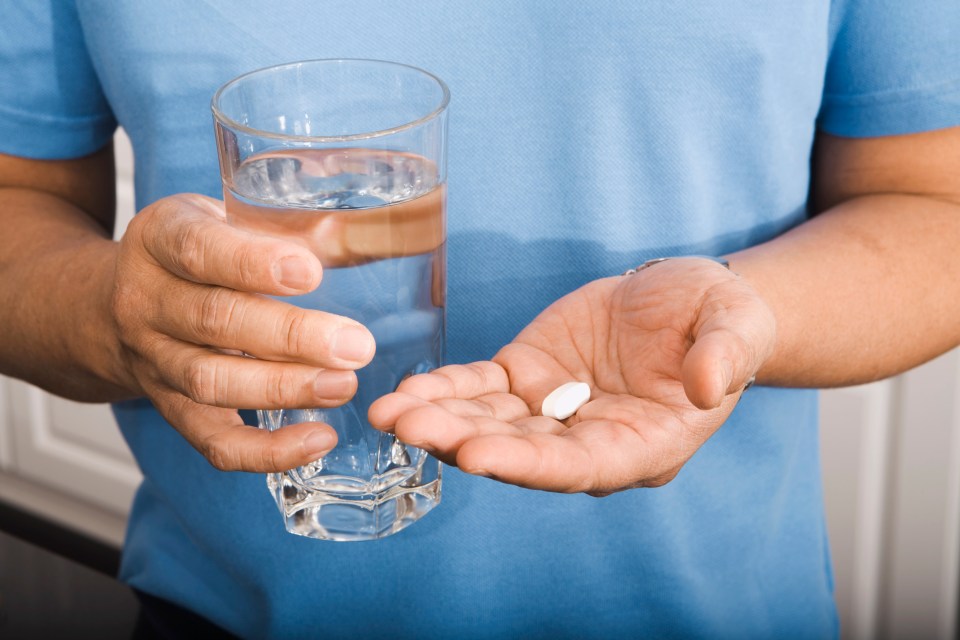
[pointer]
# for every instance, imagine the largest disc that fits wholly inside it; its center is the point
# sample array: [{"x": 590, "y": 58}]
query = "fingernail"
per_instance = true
[
  {"x": 294, "y": 272},
  {"x": 352, "y": 343},
  {"x": 317, "y": 444}
]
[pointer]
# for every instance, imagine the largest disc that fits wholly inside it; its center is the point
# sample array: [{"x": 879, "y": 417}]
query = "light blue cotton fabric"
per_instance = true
[{"x": 583, "y": 140}]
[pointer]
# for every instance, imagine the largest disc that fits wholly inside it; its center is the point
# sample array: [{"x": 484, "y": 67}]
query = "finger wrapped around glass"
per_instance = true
[{"x": 347, "y": 157}]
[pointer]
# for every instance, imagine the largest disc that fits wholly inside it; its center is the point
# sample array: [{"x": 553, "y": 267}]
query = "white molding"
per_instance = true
[
  {"x": 83, "y": 470},
  {"x": 86, "y": 425},
  {"x": 48, "y": 441},
  {"x": 919, "y": 594},
  {"x": 855, "y": 433},
  {"x": 63, "y": 509},
  {"x": 950, "y": 583},
  {"x": 871, "y": 509},
  {"x": 6, "y": 438}
]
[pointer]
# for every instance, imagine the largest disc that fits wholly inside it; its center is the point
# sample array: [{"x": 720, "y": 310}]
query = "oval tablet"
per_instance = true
[{"x": 565, "y": 400}]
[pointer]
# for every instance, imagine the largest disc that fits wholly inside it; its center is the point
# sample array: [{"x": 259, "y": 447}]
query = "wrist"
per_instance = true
[
  {"x": 108, "y": 361},
  {"x": 95, "y": 347},
  {"x": 749, "y": 267}
]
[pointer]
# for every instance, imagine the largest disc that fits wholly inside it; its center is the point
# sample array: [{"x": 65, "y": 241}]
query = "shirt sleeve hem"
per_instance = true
[
  {"x": 891, "y": 114},
  {"x": 45, "y": 137}
]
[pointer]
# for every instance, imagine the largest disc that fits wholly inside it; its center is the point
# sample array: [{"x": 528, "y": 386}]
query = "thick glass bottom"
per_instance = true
[{"x": 351, "y": 515}]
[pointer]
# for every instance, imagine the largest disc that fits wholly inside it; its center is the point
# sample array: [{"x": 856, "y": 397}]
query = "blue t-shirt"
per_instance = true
[{"x": 583, "y": 140}]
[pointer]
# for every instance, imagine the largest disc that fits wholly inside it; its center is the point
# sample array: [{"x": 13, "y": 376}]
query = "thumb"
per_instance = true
[{"x": 732, "y": 340}]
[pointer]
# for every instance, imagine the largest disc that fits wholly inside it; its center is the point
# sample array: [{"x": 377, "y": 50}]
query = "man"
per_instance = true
[{"x": 809, "y": 143}]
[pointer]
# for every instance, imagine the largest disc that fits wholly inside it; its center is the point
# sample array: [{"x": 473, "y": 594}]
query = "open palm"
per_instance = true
[{"x": 666, "y": 353}]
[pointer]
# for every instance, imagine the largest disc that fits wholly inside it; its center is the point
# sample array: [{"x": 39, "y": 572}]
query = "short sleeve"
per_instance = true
[
  {"x": 894, "y": 68},
  {"x": 51, "y": 103}
]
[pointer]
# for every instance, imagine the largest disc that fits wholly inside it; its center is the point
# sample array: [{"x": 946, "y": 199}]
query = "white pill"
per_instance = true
[{"x": 565, "y": 400}]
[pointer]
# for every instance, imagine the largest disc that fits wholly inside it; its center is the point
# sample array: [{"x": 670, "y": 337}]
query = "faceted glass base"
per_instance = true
[{"x": 350, "y": 513}]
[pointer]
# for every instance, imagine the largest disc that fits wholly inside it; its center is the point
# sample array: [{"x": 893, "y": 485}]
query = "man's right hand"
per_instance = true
[{"x": 190, "y": 299}]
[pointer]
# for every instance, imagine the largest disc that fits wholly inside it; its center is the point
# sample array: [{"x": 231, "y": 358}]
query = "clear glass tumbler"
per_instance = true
[{"x": 347, "y": 157}]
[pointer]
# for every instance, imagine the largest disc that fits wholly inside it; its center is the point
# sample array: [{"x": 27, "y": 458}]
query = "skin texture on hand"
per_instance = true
[
  {"x": 168, "y": 313},
  {"x": 187, "y": 307},
  {"x": 666, "y": 353}
]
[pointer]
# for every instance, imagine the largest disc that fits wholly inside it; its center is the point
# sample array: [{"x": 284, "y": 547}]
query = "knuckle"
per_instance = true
[
  {"x": 127, "y": 306},
  {"x": 282, "y": 389},
  {"x": 294, "y": 332},
  {"x": 225, "y": 455},
  {"x": 201, "y": 379},
  {"x": 270, "y": 459},
  {"x": 150, "y": 228},
  {"x": 196, "y": 249},
  {"x": 661, "y": 480},
  {"x": 249, "y": 267},
  {"x": 220, "y": 455},
  {"x": 123, "y": 298},
  {"x": 583, "y": 486},
  {"x": 139, "y": 225},
  {"x": 188, "y": 253},
  {"x": 127, "y": 292},
  {"x": 216, "y": 314}
]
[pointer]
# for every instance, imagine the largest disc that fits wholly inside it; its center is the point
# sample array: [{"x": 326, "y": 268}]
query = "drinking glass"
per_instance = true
[{"x": 347, "y": 157}]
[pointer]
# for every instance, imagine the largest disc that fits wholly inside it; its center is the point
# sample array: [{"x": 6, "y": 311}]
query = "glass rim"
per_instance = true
[{"x": 221, "y": 117}]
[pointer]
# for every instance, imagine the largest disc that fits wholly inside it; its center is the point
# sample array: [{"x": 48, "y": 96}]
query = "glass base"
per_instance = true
[{"x": 352, "y": 515}]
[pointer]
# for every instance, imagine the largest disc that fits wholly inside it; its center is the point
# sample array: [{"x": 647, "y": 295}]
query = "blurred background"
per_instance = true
[{"x": 891, "y": 470}]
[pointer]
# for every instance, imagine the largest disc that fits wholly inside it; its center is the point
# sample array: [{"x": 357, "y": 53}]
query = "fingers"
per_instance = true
[
  {"x": 442, "y": 433},
  {"x": 229, "y": 445},
  {"x": 237, "y": 382},
  {"x": 172, "y": 262},
  {"x": 617, "y": 444},
  {"x": 480, "y": 389},
  {"x": 188, "y": 236},
  {"x": 539, "y": 461},
  {"x": 463, "y": 381},
  {"x": 186, "y": 301},
  {"x": 594, "y": 457},
  {"x": 443, "y": 427},
  {"x": 262, "y": 327},
  {"x": 386, "y": 412}
]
